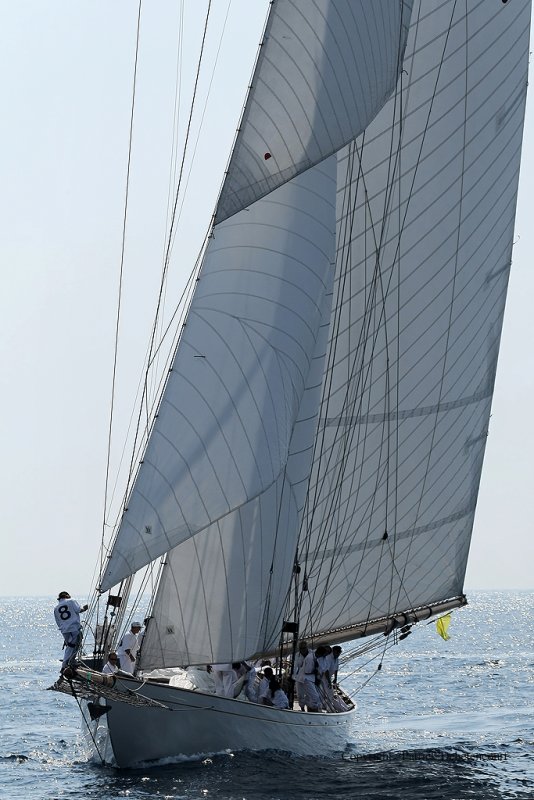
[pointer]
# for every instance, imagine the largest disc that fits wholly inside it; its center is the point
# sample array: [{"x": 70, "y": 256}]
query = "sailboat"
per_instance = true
[{"x": 313, "y": 466}]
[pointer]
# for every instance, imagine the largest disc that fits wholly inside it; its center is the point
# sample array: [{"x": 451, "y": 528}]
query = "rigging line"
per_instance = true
[
  {"x": 206, "y": 237},
  {"x": 74, "y": 694},
  {"x": 268, "y": 595},
  {"x": 176, "y": 122},
  {"x": 425, "y": 130},
  {"x": 377, "y": 276},
  {"x": 456, "y": 265},
  {"x": 174, "y": 149},
  {"x": 135, "y": 448},
  {"x": 216, "y": 61},
  {"x": 347, "y": 237},
  {"x": 390, "y": 183},
  {"x": 335, "y": 492},
  {"x": 173, "y": 215},
  {"x": 368, "y": 309},
  {"x": 357, "y": 345},
  {"x": 138, "y": 446},
  {"x": 155, "y": 584},
  {"x": 360, "y": 667},
  {"x": 304, "y": 537},
  {"x": 397, "y": 364},
  {"x": 188, "y": 130},
  {"x": 319, "y": 444},
  {"x": 121, "y": 270}
]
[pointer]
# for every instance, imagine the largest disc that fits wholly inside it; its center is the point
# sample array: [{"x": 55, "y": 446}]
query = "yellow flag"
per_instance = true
[{"x": 442, "y": 625}]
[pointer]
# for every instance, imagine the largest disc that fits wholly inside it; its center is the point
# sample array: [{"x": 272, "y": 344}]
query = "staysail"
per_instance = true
[{"x": 221, "y": 439}]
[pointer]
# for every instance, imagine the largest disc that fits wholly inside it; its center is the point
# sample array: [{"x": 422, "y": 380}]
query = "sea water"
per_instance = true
[{"x": 452, "y": 720}]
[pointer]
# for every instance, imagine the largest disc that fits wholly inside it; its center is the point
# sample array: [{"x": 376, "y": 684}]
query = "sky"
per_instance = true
[{"x": 66, "y": 74}]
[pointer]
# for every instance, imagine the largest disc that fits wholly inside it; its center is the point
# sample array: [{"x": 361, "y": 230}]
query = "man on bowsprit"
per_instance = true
[{"x": 67, "y": 616}]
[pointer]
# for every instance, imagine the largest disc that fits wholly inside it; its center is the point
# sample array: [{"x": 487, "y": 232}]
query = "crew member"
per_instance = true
[
  {"x": 67, "y": 616},
  {"x": 127, "y": 650}
]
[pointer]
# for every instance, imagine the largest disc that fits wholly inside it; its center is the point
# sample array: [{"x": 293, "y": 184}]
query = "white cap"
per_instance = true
[{"x": 136, "y": 625}]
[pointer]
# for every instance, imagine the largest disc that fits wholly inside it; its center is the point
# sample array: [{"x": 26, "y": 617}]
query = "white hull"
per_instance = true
[{"x": 195, "y": 723}]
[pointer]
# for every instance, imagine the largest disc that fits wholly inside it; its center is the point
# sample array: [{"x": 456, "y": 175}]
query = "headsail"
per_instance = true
[
  {"x": 226, "y": 419},
  {"x": 222, "y": 592},
  {"x": 324, "y": 70}
]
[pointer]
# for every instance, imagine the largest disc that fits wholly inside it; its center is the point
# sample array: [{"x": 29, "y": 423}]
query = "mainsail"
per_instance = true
[
  {"x": 426, "y": 207},
  {"x": 360, "y": 455}
]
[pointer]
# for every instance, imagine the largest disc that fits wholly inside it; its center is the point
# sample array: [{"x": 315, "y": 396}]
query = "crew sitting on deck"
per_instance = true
[
  {"x": 277, "y": 695},
  {"x": 263, "y": 689},
  {"x": 112, "y": 664},
  {"x": 245, "y": 678},
  {"x": 224, "y": 678}
]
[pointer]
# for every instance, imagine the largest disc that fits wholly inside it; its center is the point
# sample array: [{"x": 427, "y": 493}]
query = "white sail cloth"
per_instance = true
[
  {"x": 425, "y": 214},
  {"x": 329, "y": 53},
  {"x": 224, "y": 426},
  {"x": 324, "y": 70},
  {"x": 423, "y": 264},
  {"x": 222, "y": 593}
]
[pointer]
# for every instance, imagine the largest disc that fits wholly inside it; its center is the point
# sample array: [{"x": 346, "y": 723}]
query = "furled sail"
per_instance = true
[
  {"x": 324, "y": 70},
  {"x": 426, "y": 210},
  {"x": 219, "y": 440}
]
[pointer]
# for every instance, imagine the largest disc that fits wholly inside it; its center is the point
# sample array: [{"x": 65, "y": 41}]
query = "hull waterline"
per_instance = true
[{"x": 192, "y": 723}]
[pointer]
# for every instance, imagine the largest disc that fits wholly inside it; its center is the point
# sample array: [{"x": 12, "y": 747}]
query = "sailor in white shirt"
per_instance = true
[
  {"x": 323, "y": 654},
  {"x": 127, "y": 649},
  {"x": 250, "y": 686},
  {"x": 112, "y": 664},
  {"x": 67, "y": 616},
  {"x": 224, "y": 677},
  {"x": 279, "y": 697},
  {"x": 264, "y": 692},
  {"x": 245, "y": 680},
  {"x": 333, "y": 664},
  {"x": 304, "y": 674}
]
